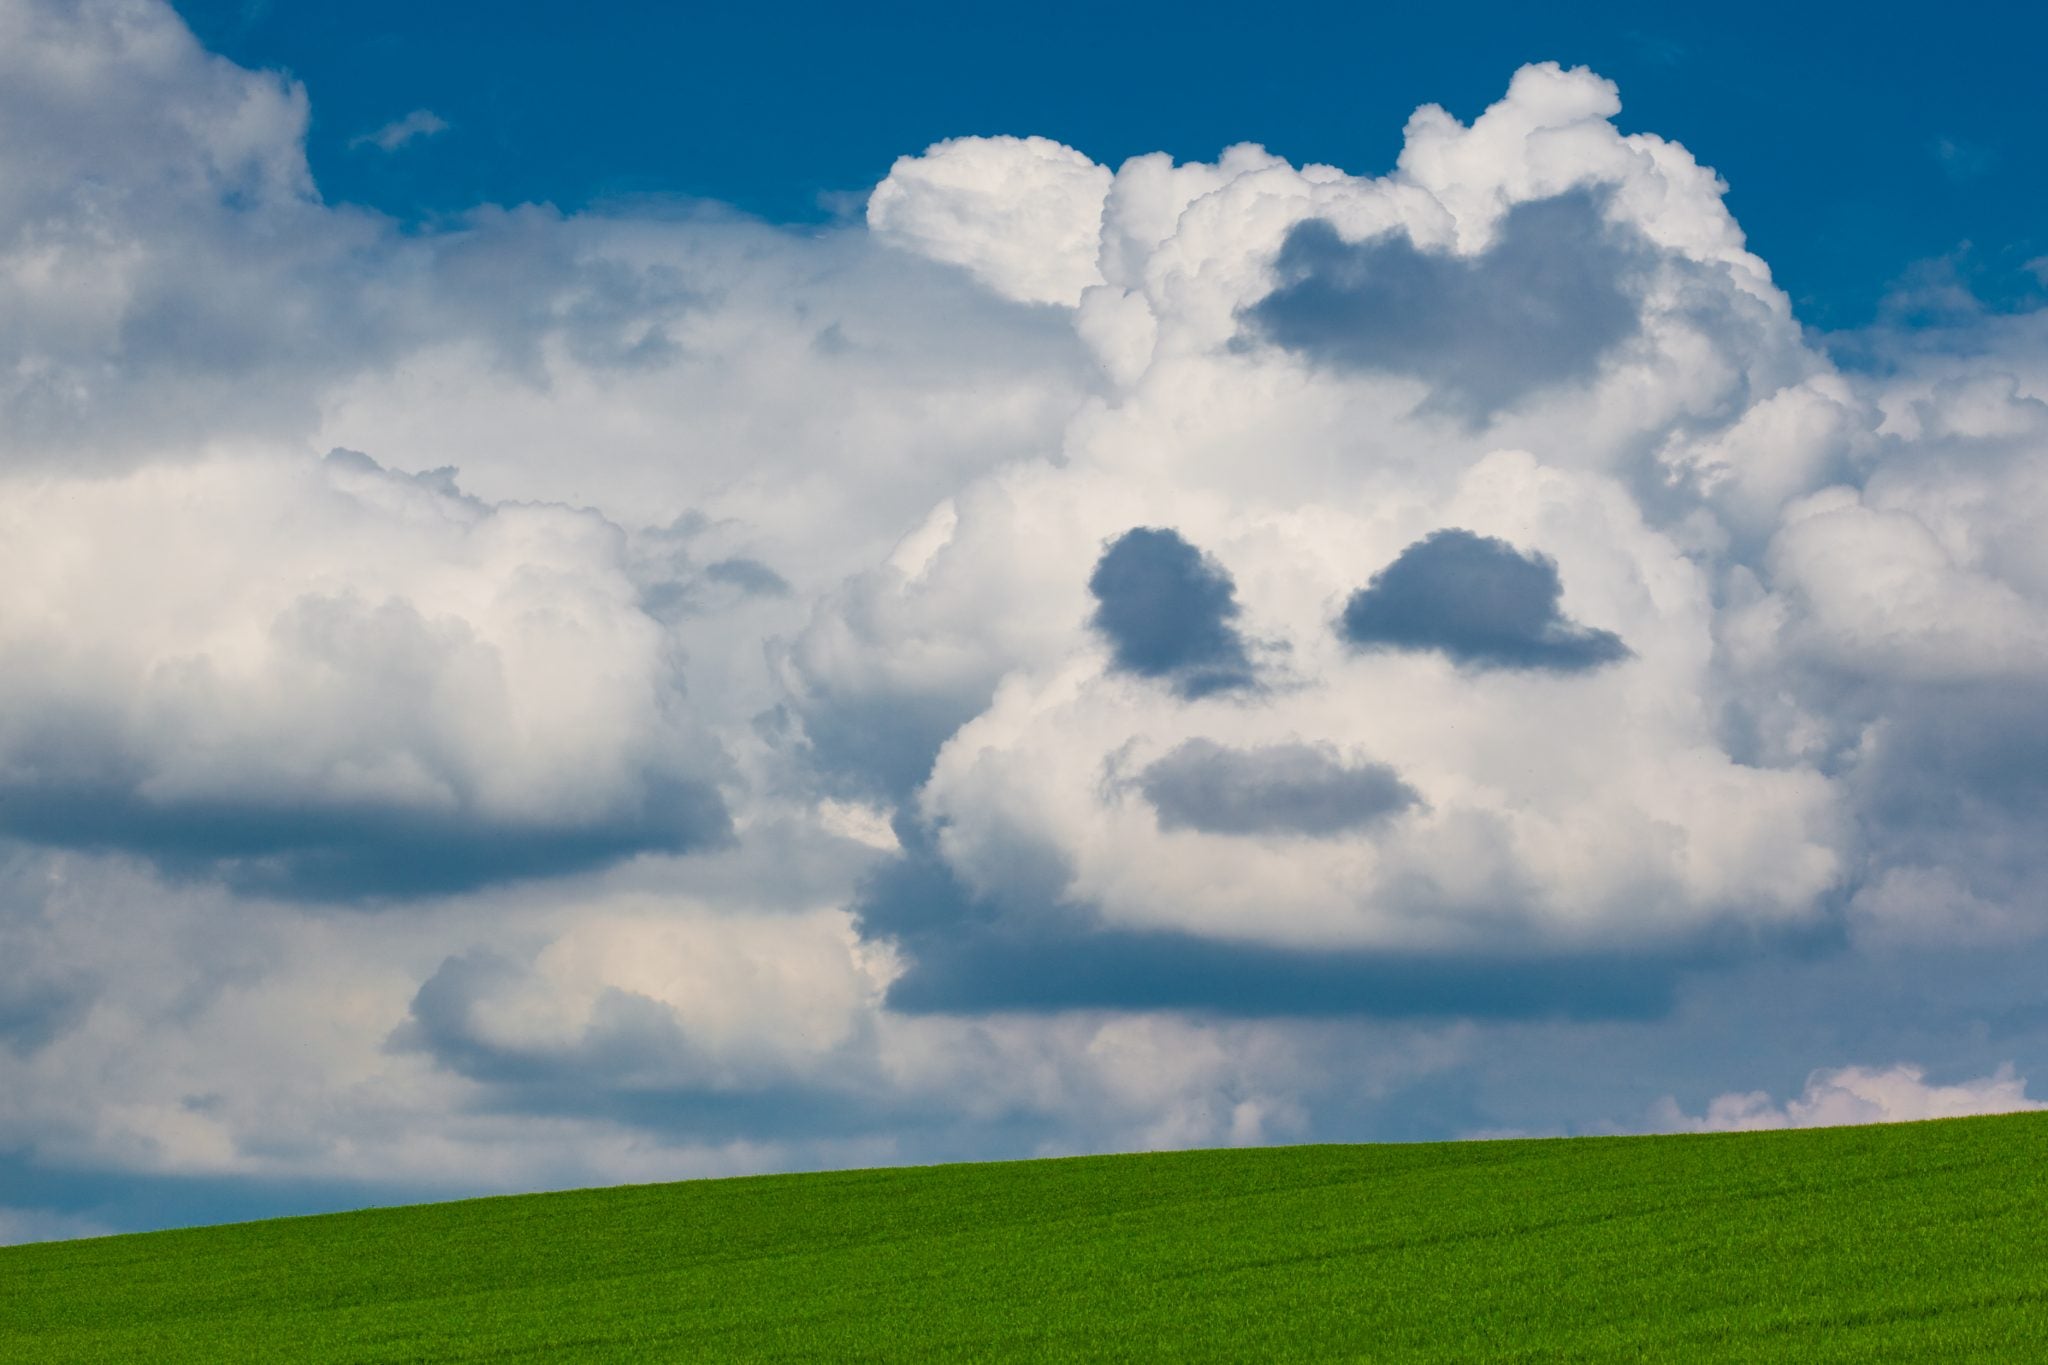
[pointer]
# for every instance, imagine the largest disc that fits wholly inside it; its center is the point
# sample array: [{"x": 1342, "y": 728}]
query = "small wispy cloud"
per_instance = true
[
  {"x": 1657, "y": 49},
  {"x": 395, "y": 134},
  {"x": 1855, "y": 1094},
  {"x": 1964, "y": 160}
]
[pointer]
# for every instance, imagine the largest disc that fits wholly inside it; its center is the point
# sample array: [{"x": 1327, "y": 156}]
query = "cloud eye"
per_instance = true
[
  {"x": 1480, "y": 602},
  {"x": 1167, "y": 610}
]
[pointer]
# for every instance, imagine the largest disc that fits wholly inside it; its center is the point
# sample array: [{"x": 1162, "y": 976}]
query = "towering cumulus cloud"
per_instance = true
[
  {"x": 1022, "y": 213},
  {"x": 1089, "y": 656},
  {"x": 1511, "y": 740}
]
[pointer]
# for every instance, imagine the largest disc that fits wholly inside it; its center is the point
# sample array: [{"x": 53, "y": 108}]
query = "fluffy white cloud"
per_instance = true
[
  {"x": 1023, "y": 213},
  {"x": 125, "y": 103},
  {"x": 1880, "y": 593},
  {"x": 322, "y": 669},
  {"x": 168, "y": 274},
  {"x": 800, "y": 399},
  {"x": 1856, "y": 1094},
  {"x": 524, "y": 1039}
]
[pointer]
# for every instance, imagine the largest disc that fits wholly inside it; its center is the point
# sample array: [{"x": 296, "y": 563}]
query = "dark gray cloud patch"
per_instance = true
[
  {"x": 336, "y": 852},
  {"x": 1479, "y": 601},
  {"x": 1167, "y": 611},
  {"x": 1299, "y": 789},
  {"x": 750, "y": 576},
  {"x": 985, "y": 970},
  {"x": 1950, "y": 776},
  {"x": 1539, "y": 307},
  {"x": 971, "y": 953},
  {"x": 874, "y": 745},
  {"x": 675, "y": 584},
  {"x": 37, "y": 1005}
]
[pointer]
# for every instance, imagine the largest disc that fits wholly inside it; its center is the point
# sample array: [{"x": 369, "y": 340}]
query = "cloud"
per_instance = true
[
  {"x": 1539, "y": 306},
  {"x": 1307, "y": 478},
  {"x": 1278, "y": 789},
  {"x": 676, "y": 1002},
  {"x": 1167, "y": 612},
  {"x": 176, "y": 288},
  {"x": 1880, "y": 592},
  {"x": 748, "y": 575},
  {"x": 397, "y": 133},
  {"x": 1962, "y": 160},
  {"x": 170, "y": 273},
  {"x": 732, "y": 373},
  {"x": 1023, "y": 214},
  {"x": 43, "y": 993},
  {"x": 715, "y": 1027},
  {"x": 1856, "y": 1094},
  {"x": 419, "y": 692},
  {"x": 1479, "y": 601},
  {"x": 1550, "y": 820},
  {"x": 967, "y": 949}
]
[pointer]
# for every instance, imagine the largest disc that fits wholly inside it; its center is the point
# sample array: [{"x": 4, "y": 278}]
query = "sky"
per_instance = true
[
  {"x": 597, "y": 599},
  {"x": 1858, "y": 143}
]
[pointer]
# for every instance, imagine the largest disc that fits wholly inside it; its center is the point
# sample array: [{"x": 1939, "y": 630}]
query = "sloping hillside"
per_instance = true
[{"x": 1915, "y": 1241}]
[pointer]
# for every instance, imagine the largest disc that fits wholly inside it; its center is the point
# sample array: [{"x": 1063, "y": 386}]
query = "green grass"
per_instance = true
[{"x": 1916, "y": 1242}]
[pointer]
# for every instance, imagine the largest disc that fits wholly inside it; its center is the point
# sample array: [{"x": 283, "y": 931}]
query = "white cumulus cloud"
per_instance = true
[
  {"x": 1024, "y": 214},
  {"x": 313, "y": 667},
  {"x": 1856, "y": 1094}
]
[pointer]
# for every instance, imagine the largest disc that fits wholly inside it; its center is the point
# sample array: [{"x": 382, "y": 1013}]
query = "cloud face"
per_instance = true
[
  {"x": 1306, "y": 479},
  {"x": 1480, "y": 602},
  {"x": 1539, "y": 306},
  {"x": 1279, "y": 789},
  {"x": 1167, "y": 612}
]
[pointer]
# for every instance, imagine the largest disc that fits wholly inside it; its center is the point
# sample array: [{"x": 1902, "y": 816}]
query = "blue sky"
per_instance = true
[
  {"x": 1857, "y": 141},
  {"x": 595, "y": 599}
]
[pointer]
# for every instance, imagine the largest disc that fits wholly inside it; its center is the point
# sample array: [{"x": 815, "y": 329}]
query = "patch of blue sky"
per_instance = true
[{"x": 1859, "y": 141}]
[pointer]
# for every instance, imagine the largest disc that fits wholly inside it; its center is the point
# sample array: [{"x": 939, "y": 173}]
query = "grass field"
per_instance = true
[{"x": 1910, "y": 1242}]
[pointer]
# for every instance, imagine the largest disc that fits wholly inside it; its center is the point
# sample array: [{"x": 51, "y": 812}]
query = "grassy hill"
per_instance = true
[{"x": 1912, "y": 1242}]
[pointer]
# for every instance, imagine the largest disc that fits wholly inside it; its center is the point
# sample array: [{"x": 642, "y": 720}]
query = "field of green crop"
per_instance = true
[{"x": 1911, "y": 1242}]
